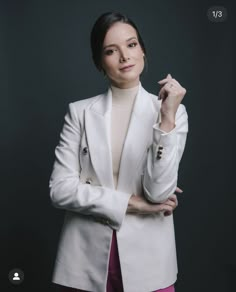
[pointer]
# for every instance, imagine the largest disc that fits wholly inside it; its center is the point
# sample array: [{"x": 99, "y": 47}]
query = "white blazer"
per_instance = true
[{"x": 82, "y": 184}]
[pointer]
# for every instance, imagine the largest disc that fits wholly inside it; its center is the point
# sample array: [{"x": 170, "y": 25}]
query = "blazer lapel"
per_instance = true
[
  {"x": 138, "y": 139},
  {"x": 97, "y": 126}
]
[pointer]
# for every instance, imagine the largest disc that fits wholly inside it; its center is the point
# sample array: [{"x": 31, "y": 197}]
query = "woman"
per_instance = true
[{"x": 116, "y": 171}]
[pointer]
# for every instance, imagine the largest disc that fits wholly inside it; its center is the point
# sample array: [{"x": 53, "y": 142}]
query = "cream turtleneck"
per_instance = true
[{"x": 122, "y": 106}]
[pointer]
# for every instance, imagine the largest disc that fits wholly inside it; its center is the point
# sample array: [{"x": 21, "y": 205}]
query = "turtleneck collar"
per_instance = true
[{"x": 123, "y": 97}]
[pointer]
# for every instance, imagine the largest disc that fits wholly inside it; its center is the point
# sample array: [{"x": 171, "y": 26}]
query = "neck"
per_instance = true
[
  {"x": 123, "y": 96},
  {"x": 125, "y": 85}
]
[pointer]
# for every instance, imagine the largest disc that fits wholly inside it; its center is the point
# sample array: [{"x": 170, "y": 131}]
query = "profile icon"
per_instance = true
[{"x": 16, "y": 276}]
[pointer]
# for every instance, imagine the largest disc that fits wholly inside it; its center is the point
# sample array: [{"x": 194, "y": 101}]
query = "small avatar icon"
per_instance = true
[{"x": 16, "y": 277}]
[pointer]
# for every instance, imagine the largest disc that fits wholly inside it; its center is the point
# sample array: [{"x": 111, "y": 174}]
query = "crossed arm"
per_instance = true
[{"x": 68, "y": 192}]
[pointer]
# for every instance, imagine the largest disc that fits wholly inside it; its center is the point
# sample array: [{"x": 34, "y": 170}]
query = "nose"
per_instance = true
[{"x": 123, "y": 56}]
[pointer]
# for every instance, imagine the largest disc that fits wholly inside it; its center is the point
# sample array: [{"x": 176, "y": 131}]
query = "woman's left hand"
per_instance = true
[
  {"x": 174, "y": 199},
  {"x": 171, "y": 95}
]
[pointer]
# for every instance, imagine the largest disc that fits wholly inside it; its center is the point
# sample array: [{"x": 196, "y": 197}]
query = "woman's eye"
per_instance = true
[
  {"x": 133, "y": 45},
  {"x": 109, "y": 52}
]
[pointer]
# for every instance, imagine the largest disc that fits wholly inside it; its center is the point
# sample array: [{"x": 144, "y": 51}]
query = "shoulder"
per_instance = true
[
  {"x": 78, "y": 107},
  {"x": 76, "y": 110},
  {"x": 85, "y": 103}
]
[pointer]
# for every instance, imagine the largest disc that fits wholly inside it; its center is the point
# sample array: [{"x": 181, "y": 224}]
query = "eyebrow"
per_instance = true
[{"x": 112, "y": 45}]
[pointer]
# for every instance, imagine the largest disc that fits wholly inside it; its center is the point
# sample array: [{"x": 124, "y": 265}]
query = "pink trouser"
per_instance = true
[{"x": 114, "y": 280}]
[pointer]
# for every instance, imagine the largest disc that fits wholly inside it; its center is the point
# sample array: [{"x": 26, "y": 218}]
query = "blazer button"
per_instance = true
[
  {"x": 85, "y": 150},
  {"x": 158, "y": 156},
  {"x": 159, "y": 152},
  {"x": 88, "y": 181}
]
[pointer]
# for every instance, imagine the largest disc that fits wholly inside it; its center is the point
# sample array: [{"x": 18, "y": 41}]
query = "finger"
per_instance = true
[
  {"x": 160, "y": 94},
  {"x": 179, "y": 190},
  {"x": 170, "y": 86},
  {"x": 171, "y": 203},
  {"x": 168, "y": 213},
  {"x": 164, "y": 208},
  {"x": 176, "y": 203},
  {"x": 164, "y": 91},
  {"x": 168, "y": 77},
  {"x": 174, "y": 81},
  {"x": 163, "y": 81},
  {"x": 172, "y": 197}
]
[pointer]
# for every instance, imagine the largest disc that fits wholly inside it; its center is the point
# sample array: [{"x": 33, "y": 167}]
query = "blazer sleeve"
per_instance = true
[
  {"x": 163, "y": 158},
  {"x": 68, "y": 192}
]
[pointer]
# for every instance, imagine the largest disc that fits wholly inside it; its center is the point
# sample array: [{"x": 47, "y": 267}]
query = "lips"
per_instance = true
[{"x": 126, "y": 67}]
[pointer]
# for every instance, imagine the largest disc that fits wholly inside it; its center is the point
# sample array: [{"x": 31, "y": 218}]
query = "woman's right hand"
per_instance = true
[{"x": 139, "y": 205}]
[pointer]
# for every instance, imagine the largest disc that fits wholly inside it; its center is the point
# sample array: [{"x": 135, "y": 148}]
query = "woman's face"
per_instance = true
[{"x": 122, "y": 56}]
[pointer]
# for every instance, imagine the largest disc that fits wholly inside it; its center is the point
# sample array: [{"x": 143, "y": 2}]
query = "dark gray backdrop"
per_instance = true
[{"x": 46, "y": 63}]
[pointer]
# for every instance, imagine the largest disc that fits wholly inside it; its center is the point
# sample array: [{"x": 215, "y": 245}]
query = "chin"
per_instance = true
[{"x": 131, "y": 79}]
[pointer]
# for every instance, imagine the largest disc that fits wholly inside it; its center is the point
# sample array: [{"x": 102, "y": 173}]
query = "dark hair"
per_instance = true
[{"x": 99, "y": 30}]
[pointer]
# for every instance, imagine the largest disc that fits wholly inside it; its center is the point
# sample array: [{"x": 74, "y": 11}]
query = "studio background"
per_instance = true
[{"x": 46, "y": 64}]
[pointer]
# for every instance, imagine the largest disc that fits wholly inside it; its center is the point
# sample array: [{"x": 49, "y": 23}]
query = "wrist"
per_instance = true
[
  {"x": 166, "y": 126},
  {"x": 167, "y": 122},
  {"x": 131, "y": 207}
]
